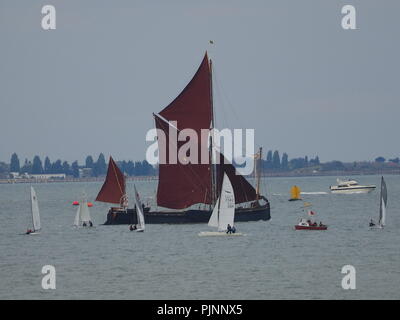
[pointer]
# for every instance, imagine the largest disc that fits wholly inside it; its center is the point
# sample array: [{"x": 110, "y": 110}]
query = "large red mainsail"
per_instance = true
[
  {"x": 113, "y": 189},
  {"x": 182, "y": 185}
]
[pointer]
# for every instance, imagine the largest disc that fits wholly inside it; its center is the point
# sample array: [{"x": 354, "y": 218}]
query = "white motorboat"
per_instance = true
[{"x": 351, "y": 186}]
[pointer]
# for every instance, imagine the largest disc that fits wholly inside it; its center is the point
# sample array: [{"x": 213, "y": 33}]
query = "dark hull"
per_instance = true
[{"x": 189, "y": 216}]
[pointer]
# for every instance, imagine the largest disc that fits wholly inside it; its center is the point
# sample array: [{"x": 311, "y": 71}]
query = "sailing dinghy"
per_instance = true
[
  {"x": 224, "y": 212},
  {"x": 139, "y": 211},
  {"x": 35, "y": 214},
  {"x": 82, "y": 217},
  {"x": 382, "y": 207}
]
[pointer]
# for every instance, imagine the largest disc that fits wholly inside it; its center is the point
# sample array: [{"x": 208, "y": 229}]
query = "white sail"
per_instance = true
[
  {"x": 84, "y": 214},
  {"x": 77, "y": 216},
  {"x": 35, "y": 210},
  {"x": 383, "y": 204},
  {"x": 224, "y": 210},
  {"x": 227, "y": 205},
  {"x": 139, "y": 211},
  {"x": 213, "y": 222}
]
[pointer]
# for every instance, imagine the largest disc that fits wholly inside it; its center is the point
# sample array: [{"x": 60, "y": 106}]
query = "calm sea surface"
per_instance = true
[{"x": 273, "y": 261}]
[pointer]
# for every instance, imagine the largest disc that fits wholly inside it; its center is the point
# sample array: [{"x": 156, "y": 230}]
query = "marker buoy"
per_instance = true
[
  {"x": 89, "y": 204},
  {"x": 75, "y": 203}
]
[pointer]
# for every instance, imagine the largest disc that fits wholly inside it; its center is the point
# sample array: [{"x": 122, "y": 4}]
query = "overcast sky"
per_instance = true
[{"x": 285, "y": 68}]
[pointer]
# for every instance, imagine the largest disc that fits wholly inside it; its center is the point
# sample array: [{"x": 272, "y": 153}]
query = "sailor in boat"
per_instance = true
[
  {"x": 29, "y": 231},
  {"x": 372, "y": 223},
  {"x": 84, "y": 224},
  {"x": 233, "y": 229},
  {"x": 131, "y": 227},
  {"x": 90, "y": 224},
  {"x": 229, "y": 229}
]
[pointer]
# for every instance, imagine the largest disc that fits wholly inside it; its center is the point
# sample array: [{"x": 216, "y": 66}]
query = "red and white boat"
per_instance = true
[{"x": 309, "y": 225}]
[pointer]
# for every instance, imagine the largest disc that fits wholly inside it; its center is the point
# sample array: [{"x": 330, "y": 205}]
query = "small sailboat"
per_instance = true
[
  {"x": 382, "y": 207},
  {"x": 35, "y": 214},
  {"x": 82, "y": 217},
  {"x": 295, "y": 193},
  {"x": 223, "y": 214},
  {"x": 139, "y": 211}
]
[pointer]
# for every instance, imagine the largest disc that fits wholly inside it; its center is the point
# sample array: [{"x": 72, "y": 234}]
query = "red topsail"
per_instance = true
[{"x": 113, "y": 189}]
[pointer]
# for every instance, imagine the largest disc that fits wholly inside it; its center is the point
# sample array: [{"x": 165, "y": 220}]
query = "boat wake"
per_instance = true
[{"x": 316, "y": 192}]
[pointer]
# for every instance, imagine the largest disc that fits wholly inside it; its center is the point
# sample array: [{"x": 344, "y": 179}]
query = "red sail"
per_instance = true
[
  {"x": 182, "y": 185},
  {"x": 192, "y": 108},
  {"x": 243, "y": 190},
  {"x": 113, "y": 189}
]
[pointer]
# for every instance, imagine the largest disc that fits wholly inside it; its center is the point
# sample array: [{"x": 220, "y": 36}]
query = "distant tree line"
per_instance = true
[
  {"x": 97, "y": 168},
  {"x": 273, "y": 162}
]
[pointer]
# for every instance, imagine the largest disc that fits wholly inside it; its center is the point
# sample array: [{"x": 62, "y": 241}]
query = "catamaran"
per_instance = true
[
  {"x": 382, "y": 207},
  {"x": 35, "y": 214},
  {"x": 188, "y": 192},
  {"x": 82, "y": 216},
  {"x": 223, "y": 215}
]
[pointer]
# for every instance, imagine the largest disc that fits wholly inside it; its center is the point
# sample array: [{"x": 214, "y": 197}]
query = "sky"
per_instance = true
[{"x": 285, "y": 68}]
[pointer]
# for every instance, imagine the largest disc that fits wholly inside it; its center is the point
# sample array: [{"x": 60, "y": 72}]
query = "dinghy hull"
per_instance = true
[{"x": 219, "y": 234}]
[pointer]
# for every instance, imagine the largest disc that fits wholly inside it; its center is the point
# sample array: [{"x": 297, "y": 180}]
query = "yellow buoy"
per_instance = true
[{"x": 294, "y": 193}]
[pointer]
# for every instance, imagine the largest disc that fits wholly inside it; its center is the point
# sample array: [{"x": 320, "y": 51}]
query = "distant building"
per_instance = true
[
  {"x": 14, "y": 175},
  {"x": 85, "y": 173},
  {"x": 52, "y": 176}
]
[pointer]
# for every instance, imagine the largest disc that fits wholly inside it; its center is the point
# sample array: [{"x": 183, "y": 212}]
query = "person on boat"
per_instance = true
[
  {"x": 233, "y": 229},
  {"x": 229, "y": 229},
  {"x": 29, "y": 231},
  {"x": 90, "y": 224},
  {"x": 371, "y": 223},
  {"x": 84, "y": 224},
  {"x": 131, "y": 227}
]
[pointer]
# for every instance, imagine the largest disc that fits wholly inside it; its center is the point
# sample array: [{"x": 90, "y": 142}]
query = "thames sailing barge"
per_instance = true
[{"x": 190, "y": 189}]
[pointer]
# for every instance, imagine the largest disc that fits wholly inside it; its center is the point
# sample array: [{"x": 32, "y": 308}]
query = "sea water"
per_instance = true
[{"x": 272, "y": 261}]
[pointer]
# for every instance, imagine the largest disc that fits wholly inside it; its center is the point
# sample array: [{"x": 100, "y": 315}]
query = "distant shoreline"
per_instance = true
[{"x": 289, "y": 174}]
